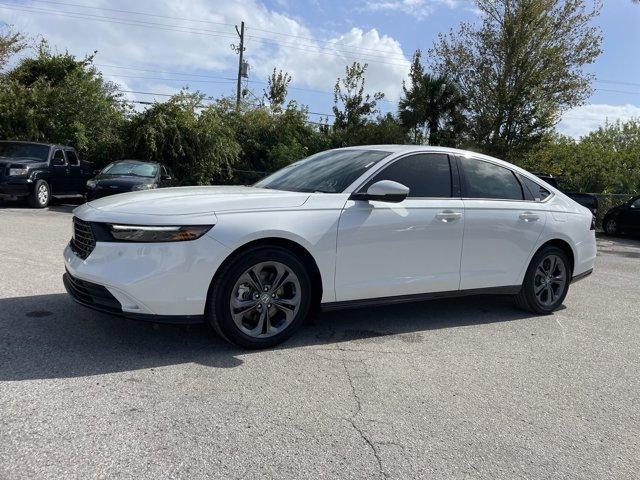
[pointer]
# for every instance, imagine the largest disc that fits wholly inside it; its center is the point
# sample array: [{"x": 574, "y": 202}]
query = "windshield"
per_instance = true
[
  {"x": 328, "y": 172},
  {"x": 134, "y": 169},
  {"x": 24, "y": 150}
]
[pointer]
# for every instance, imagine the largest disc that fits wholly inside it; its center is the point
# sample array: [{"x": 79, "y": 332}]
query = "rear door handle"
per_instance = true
[
  {"x": 448, "y": 216},
  {"x": 529, "y": 217}
]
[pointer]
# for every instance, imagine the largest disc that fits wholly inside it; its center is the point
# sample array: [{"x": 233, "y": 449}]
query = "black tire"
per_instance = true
[
  {"x": 527, "y": 299},
  {"x": 36, "y": 199},
  {"x": 220, "y": 294},
  {"x": 610, "y": 227}
]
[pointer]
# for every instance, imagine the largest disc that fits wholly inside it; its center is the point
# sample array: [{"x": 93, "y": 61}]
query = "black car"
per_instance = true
[
  {"x": 39, "y": 171},
  {"x": 128, "y": 176},
  {"x": 624, "y": 218}
]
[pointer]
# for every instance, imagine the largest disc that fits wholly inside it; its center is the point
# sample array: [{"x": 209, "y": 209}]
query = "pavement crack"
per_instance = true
[{"x": 352, "y": 420}]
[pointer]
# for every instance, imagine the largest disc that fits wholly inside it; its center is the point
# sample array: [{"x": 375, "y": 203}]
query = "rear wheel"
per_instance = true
[
  {"x": 546, "y": 282},
  {"x": 260, "y": 298},
  {"x": 41, "y": 195}
]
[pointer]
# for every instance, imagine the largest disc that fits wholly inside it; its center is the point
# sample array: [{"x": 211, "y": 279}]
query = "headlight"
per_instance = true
[
  {"x": 145, "y": 233},
  {"x": 91, "y": 183},
  {"x": 144, "y": 186},
  {"x": 18, "y": 172}
]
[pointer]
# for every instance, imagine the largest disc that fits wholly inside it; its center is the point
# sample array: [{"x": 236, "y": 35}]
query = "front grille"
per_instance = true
[
  {"x": 83, "y": 241},
  {"x": 91, "y": 294}
]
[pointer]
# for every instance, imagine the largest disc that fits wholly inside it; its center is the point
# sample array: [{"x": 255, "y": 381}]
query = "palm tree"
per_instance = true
[{"x": 431, "y": 107}]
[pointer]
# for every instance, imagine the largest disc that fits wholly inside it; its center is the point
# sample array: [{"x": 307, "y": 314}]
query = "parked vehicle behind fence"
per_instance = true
[
  {"x": 39, "y": 171},
  {"x": 623, "y": 219},
  {"x": 128, "y": 176},
  {"x": 347, "y": 227}
]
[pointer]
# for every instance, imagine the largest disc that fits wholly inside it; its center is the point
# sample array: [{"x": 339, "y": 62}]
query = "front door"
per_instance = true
[
  {"x": 61, "y": 175},
  {"x": 630, "y": 217},
  {"x": 411, "y": 247},
  {"x": 502, "y": 225}
]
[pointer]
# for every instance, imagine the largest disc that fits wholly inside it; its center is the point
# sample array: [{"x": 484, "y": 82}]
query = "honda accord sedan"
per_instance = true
[{"x": 348, "y": 227}]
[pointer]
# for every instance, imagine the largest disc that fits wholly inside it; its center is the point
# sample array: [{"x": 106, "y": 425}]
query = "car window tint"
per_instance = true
[
  {"x": 72, "y": 158},
  {"x": 426, "y": 175},
  {"x": 538, "y": 192},
  {"x": 487, "y": 180},
  {"x": 58, "y": 155}
]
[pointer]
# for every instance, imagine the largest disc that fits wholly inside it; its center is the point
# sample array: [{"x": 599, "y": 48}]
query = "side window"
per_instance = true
[
  {"x": 538, "y": 192},
  {"x": 426, "y": 175},
  {"x": 636, "y": 203},
  {"x": 487, "y": 180},
  {"x": 72, "y": 158},
  {"x": 58, "y": 158}
]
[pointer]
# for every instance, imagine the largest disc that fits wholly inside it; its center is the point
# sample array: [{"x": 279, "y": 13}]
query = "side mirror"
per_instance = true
[
  {"x": 57, "y": 162},
  {"x": 165, "y": 178},
  {"x": 96, "y": 172},
  {"x": 384, "y": 191}
]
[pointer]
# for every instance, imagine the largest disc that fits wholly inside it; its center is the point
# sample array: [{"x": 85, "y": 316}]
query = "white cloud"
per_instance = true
[
  {"x": 419, "y": 9},
  {"x": 170, "y": 43},
  {"x": 582, "y": 120}
]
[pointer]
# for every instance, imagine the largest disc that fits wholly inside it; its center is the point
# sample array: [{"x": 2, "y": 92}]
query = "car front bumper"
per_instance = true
[
  {"x": 163, "y": 282},
  {"x": 15, "y": 187}
]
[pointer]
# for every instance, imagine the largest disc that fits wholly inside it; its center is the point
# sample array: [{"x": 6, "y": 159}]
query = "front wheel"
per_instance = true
[
  {"x": 546, "y": 282},
  {"x": 41, "y": 195},
  {"x": 260, "y": 298},
  {"x": 611, "y": 227}
]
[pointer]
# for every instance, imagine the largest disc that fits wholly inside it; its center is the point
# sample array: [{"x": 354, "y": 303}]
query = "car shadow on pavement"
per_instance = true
[{"x": 49, "y": 336}]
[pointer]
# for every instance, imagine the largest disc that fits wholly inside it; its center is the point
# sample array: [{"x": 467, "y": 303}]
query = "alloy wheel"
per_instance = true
[
  {"x": 549, "y": 280},
  {"x": 43, "y": 194},
  {"x": 265, "y": 299}
]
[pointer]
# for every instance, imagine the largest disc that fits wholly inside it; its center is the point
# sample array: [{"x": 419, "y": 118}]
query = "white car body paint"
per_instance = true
[{"x": 363, "y": 250}]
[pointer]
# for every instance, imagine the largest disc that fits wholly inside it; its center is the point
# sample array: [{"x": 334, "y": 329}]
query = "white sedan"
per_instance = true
[{"x": 348, "y": 227}]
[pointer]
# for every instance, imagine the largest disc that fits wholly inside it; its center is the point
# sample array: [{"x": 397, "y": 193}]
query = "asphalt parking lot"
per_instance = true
[{"x": 469, "y": 388}]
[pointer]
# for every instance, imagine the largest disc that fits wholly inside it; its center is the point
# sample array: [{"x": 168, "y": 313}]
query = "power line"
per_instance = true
[
  {"x": 211, "y": 33},
  {"x": 154, "y": 15},
  {"x": 131, "y": 12}
]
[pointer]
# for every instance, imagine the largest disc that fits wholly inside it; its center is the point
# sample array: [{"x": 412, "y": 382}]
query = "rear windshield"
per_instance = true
[{"x": 24, "y": 150}]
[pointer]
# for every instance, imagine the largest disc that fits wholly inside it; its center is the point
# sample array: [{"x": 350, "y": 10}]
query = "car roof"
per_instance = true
[{"x": 44, "y": 144}]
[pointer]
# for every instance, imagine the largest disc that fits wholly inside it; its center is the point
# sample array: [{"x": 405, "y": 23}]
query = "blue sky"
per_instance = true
[{"x": 159, "y": 46}]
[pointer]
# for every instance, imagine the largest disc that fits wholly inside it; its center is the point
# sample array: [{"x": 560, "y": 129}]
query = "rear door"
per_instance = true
[
  {"x": 411, "y": 247},
  {"x": 503, "y": 222}
]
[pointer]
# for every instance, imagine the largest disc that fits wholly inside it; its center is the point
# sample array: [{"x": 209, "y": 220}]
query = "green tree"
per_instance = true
[
  {"x": 276, "y": 92},
  {"x": 58, "y": 98},
  {"x": 520, "y": 68},
  {"x": 197, "y": 144},
  {"x": 431, "y": 107},
  {"x": 10, "y": 43},
  {"x": 352, "y": 107},
  {"x": 606, "y": 160}
]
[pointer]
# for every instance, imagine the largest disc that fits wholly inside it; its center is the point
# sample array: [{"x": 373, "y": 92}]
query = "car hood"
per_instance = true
[
  {"x": 187, "y": 201},
  {"x": 124, "y": 181},
  {"x": 25, "y": 162}
]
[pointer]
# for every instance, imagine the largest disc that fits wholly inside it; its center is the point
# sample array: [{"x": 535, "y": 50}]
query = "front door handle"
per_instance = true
[
  {"x": 529, "y": 217},
  {"x": 448, "y": 216}
]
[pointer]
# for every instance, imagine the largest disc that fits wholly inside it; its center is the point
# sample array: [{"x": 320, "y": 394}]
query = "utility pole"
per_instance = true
[{"x": 240, "y": 51}]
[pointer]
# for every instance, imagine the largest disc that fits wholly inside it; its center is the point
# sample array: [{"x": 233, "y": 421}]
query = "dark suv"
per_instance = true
[{"x": 39, "y": 171}]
